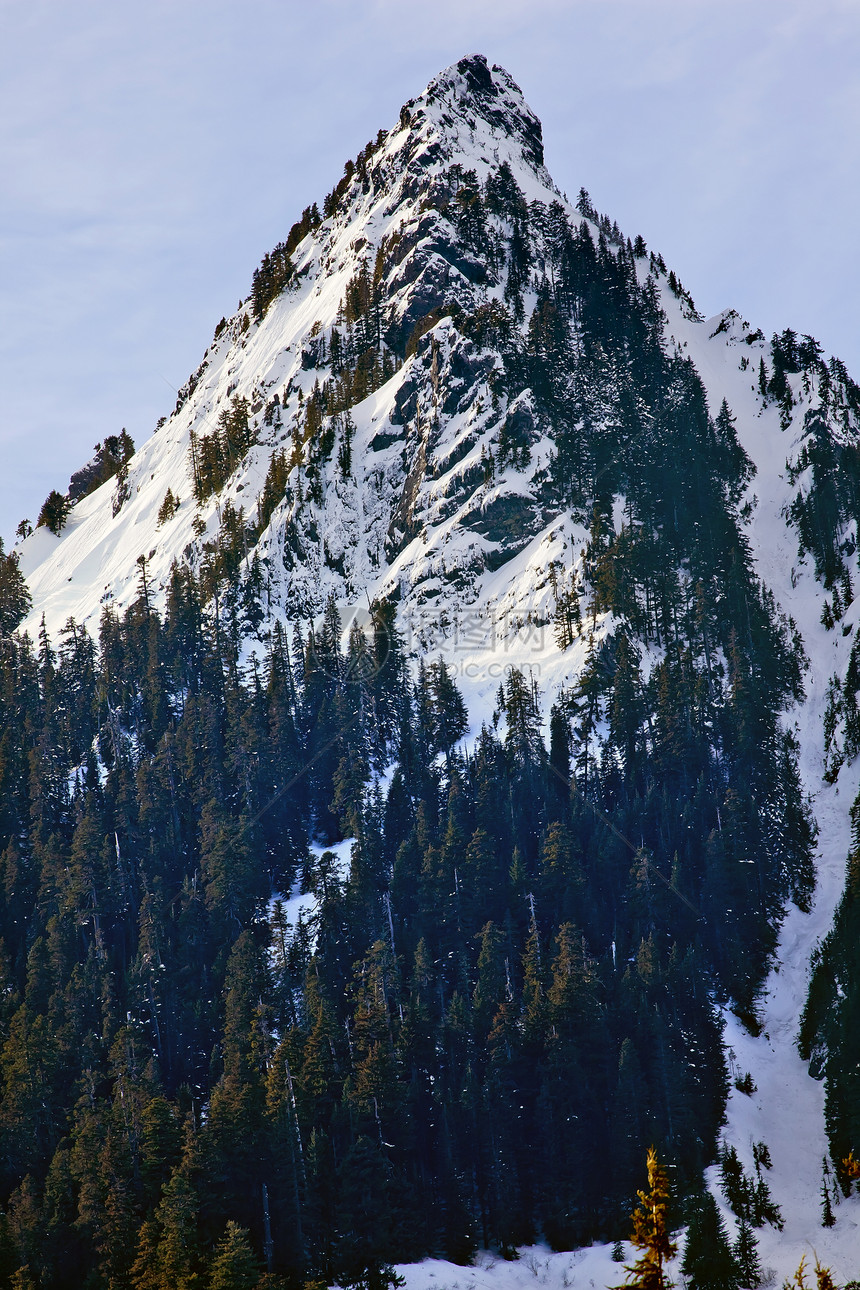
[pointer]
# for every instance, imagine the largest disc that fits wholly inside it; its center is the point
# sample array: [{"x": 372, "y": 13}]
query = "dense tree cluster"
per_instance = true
[
  {"x": 14, "y": 594},
  {"x": 274, "y": 273},
  {"x": 54, "y": 512},
  {"x": 276, "y": 269},
  {"x": 215, "y": 456},
  {"x": 111, "y": 457},
  {"x": 629, "y": 419},
  {"x": 487, "y": 1019}
]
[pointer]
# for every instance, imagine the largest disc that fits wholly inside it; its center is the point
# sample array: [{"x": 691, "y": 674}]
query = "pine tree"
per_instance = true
[
  {"x": 745, "y": 1250},
  {"x": 651, "y": 1232},
  {"x": 708, "y": 1260},
  {"x": 828, "y": 1218},
  {"x": 234, "y": 1265},
  {"x": 54, "y": 512},
  {"x": 145, "y": 1273},
  {"x": 450, "y": 719},
  {"x": 178, "y": 1253},
  {"x": 14, "y": 593}
]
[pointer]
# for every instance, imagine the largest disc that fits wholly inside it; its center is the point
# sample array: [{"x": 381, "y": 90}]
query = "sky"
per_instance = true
[{"x": 150, "y": 154}]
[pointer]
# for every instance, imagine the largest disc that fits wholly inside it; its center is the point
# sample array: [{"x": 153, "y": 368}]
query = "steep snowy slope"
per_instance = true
[
  {"x": 470, "y": 118},
  {"x": 402, "y": 462},
  {"x": 786, "y": 1110}
]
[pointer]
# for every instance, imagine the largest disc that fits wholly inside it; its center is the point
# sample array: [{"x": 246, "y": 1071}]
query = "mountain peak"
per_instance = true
[
  {"x": 472, "y": 91},
  {"x": 470, "y": 416}
]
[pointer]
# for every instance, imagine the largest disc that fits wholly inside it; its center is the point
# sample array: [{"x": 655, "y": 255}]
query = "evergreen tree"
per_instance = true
[
  {"x": 234, "y": 1265},
  {"x": 709, "y": 1263},
  {"x": 15, "y": 598},
  {"x": 168, "y": 1254},
  {"x": 651, "y": 1232},
  {"x": 54, "y": 512},
  {"x": 746, "y": 1254}
]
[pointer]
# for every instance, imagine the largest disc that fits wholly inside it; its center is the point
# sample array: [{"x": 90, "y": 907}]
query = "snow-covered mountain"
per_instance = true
[{"x": 367, "y": 426}]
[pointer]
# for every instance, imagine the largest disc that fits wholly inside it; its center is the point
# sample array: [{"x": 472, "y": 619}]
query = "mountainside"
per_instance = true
[{"x": 462, "y": 438}]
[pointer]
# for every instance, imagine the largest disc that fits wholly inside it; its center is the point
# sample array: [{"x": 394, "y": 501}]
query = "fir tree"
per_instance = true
[
  {"x": 54, "y": 512},
  {"x": 746, "y": 1254},
  {"x": 709, "y": 1263}
]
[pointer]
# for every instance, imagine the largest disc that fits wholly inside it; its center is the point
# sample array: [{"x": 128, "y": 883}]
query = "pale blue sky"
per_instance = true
[{"x": 150, "y": 154}]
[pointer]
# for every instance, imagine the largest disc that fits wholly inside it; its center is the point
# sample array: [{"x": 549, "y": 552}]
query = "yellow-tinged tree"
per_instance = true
[
  {"x": 234, "y": 1265},
  {"x": 651, "y": 1232},
  {"x": 823, "y": 1278},
  {"x": 850, "y": 1170}
]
